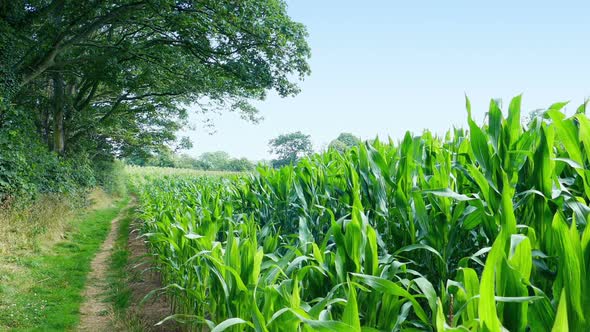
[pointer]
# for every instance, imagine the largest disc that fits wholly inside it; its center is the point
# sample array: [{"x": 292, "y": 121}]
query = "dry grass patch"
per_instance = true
[{"x": 44, "y": 222}]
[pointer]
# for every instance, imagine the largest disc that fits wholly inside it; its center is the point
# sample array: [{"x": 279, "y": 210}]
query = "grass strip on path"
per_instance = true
[
  {"x": 120, "y": 293},
  {"x": 131, "y": 278}
]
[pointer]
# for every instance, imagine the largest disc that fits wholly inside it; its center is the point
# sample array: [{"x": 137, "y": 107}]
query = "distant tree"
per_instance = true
[
  {"x": 289, "y": 148},
  {"x": 263, "y": 162},
  {"x": 161, "y": 157},
  {"x": 208, "y": 161},
  {"x": 216, "y": 160},
  {"x": 349, "y": 139},
  {"x": 239, "y": 165},
  {"x": 344, "y": 141},
  {"x": 338, "y": 145},
  {"x": 164, "y": 158},
  {"x": 186, "y": 161}
]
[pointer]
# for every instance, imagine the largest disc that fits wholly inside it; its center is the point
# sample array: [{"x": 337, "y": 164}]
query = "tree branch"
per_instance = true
[{"x": 48, "y": 60}]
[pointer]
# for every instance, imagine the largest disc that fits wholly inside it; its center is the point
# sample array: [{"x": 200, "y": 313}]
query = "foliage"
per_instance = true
[
  {"x": 221, "y": 161},
  {"x": 239, "y": 165},
  {"x": 115, "y": 76},
  {"x": 344, "y": 141},
  {"x": 28, "y": 168},
  {"x": 338, "y": 146},
  {"x": 289, "y": 148},
  {"x": 474, "y": 231},
  {"x": 186, "y": 161},
  {"x": 110, "y": 175},
  {"x": 214, "y": 160},
  {"x": 208, "y": 161}
]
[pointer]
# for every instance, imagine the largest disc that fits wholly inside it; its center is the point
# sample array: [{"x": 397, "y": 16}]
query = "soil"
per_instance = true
[{"x": 143, "y": 278}]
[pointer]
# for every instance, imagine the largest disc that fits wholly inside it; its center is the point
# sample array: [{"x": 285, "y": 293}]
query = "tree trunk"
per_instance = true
[
  {"x": 58, "y": 114},
  {"x": 43, "y": 127},
  {"x": 58, "y": 89}
]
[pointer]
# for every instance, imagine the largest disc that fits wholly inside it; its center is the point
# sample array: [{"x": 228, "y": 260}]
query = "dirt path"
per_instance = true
[{"x": 95, "y": 313}]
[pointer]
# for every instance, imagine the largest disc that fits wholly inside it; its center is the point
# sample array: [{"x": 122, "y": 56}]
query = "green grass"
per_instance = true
[
  {"x": 43, "y": 292},
  {"x": 120, "y": 294}
]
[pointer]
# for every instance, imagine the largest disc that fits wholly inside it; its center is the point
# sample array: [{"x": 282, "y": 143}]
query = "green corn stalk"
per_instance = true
[{"x": 477, "y": 230}]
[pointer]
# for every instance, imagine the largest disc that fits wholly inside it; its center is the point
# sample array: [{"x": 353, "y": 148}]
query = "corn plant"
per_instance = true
[{"x": 478, "y": 230}]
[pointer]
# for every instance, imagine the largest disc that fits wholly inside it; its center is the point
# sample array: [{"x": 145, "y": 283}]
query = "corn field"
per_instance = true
[{"x": 480, "y": 230}]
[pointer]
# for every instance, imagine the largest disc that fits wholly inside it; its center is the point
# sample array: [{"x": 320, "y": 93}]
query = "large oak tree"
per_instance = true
[{"x": 115, "y": 76}]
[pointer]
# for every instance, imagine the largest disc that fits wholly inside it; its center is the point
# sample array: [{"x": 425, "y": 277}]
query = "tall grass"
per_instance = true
[
  {"x": 478, "y": 230},
  {"x": 29, "y": 225}
]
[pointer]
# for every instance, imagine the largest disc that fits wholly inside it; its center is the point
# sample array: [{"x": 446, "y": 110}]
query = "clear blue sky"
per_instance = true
[{"x": 385, "y": 67}]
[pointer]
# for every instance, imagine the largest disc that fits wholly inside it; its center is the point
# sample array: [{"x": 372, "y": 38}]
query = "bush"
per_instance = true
[
  {"x": 110, "y": 175},
  {"x": 28, "y": 168},
  {"x": 239, "y": 165}
]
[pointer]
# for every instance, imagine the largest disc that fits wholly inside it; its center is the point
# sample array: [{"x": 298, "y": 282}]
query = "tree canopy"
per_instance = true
[
  {"x": 214, "y": 160},
  {"x": 289, "y": 148},
  {"x": 119, "y": 74},
  {"x": 344, "y": 141}
]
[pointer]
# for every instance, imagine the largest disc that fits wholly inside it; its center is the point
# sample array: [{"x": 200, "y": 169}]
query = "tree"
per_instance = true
[
  {"x": 116, "y": 75},
  {"x": 344, "y": 141},
  {"x": 239, "y": 165},
  {"x": 338, "y": 146},
  {"x": 289, "y": 148},
  {"x": 186, "y": 161},
  {"x": 349, "y": 139},
  {"x": 214, "y": 160}
]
